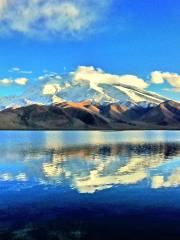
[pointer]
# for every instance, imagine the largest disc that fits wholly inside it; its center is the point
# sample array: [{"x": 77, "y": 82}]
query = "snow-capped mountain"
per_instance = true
[{"x": 51, "y": 90}]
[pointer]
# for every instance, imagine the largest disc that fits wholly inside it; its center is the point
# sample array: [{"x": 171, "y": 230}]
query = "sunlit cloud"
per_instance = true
[
  {"x": 173, "y": 79},
  {"x": 21, "y": 81},
  {"x": 6, "y": 81},
  {"x": 156, "y": 77},
  {"x": 44, "y": 18},
  {"x": 51, "y": 89},
  {"x": 18, "y": 81},
  {"x": 96, "y": 76}
]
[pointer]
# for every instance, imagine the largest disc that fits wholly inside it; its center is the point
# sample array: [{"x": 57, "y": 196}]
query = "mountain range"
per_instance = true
[{"x": 67, "y": 104}]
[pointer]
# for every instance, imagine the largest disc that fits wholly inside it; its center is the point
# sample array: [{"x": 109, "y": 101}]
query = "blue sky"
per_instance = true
[{"x": 119, "y": 36}]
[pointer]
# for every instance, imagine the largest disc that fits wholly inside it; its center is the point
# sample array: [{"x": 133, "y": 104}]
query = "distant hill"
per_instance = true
[{"x": 92, "y": 116}]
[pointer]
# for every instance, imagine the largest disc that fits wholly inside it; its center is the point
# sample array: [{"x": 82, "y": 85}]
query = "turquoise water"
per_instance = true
[{"x": 90, "y": 185}]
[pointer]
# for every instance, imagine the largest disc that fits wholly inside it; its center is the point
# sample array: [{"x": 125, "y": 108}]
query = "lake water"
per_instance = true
[{"x": 90, "y": 185}]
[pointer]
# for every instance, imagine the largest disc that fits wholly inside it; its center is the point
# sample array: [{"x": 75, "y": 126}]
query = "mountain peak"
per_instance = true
[{"x": 104, "y": 89}]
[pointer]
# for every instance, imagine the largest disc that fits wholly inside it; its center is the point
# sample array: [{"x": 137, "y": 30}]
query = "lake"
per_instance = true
[{"x": 89, "y": 185}]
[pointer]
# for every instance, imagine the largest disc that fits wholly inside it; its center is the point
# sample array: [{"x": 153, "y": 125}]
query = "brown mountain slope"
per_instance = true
[
  {"x": 164, "y": 114},
  {"x": 86, "y": 116},
  {"x": 62, "y": 116}
]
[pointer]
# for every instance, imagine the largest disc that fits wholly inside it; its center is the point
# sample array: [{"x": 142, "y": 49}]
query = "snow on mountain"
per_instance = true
[
  {"x": 108, "y": 93},
  {"x": 13, "y": 102},
  {"x": 52, "y": 89}
]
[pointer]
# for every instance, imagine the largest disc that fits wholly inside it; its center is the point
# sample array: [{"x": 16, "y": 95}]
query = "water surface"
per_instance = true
[{"x": 90, "y": 185}]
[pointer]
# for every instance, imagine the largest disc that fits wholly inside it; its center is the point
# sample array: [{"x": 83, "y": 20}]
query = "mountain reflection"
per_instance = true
[{"x": 90, "y": 168}]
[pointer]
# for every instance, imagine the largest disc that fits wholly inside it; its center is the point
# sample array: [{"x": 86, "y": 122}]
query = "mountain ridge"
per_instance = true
[
  {"x": 52, "y": 92},
  {"x": 89, "y": 116}
]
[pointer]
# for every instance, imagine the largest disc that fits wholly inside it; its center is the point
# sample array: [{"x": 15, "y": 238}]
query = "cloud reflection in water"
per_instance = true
[{"x": 92, "y": 167}]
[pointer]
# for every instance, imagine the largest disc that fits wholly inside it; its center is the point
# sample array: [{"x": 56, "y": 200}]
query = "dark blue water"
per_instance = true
[{"x": 90, "y": 185}]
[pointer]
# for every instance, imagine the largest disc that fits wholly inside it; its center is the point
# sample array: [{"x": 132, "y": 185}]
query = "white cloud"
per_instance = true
[
  {"x": 21, "y": 81},
  {"x": 51, "y": 88},
  {"x": 6, "y": 81},
  {"x": 19, "y": 70},
  {"x": 95, "y": 76},
  {"x": 173, "y": 79},
  {"x": 9, "y": 81},
  {"x": 44, "y": 18},
  {"x": 50, "y": 76},
  {"x": 15, "y": 69},
  {"x": 156, "y": 77}
]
